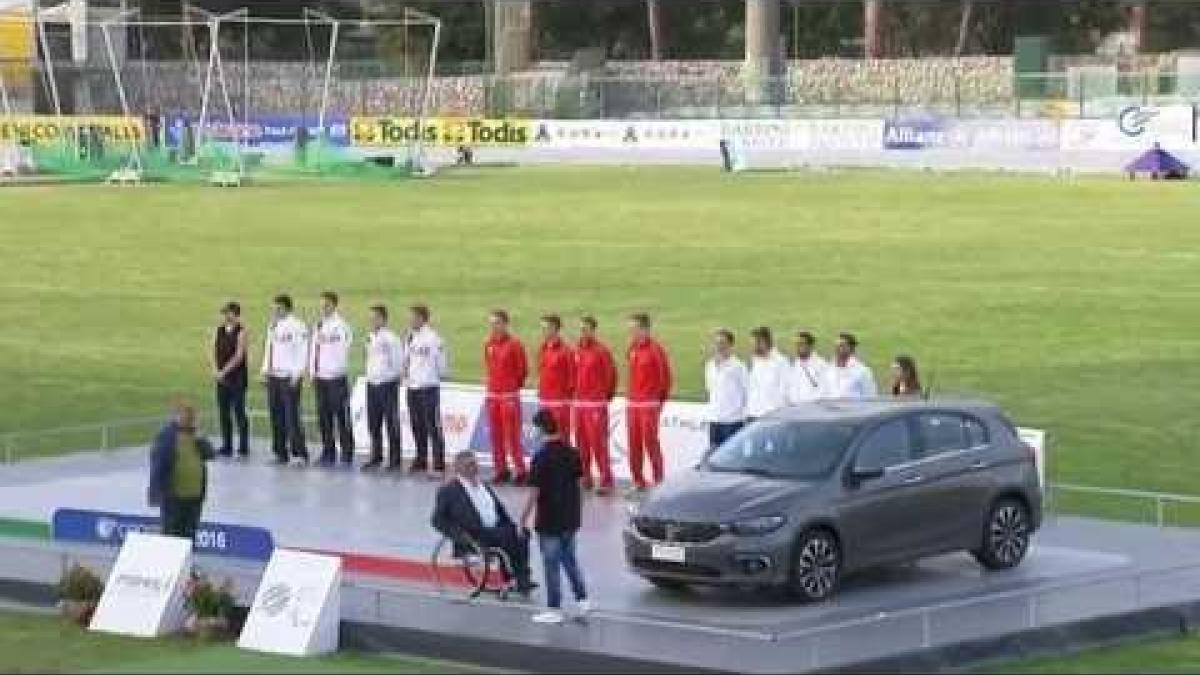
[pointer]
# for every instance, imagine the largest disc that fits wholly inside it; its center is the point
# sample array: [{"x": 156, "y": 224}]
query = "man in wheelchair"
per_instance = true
[{"x": 467, "y": 510}]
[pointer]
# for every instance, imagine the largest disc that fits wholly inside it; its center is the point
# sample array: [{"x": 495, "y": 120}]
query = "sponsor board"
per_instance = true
[
  {"x": 683, "y": 428},
  {"x": 742, "y": 134},
  {"x": 144, "y": 595},
  {"x": 1133, "y": 128},
  {"x": 401, "y": 131},
  {"x": 282, "y": 130},
  {"x": 112, "y": 529},
  {"x": 297, "y": 608},
  {"x": 929, "y": 131},
  {"x": 35, "y": 129}
]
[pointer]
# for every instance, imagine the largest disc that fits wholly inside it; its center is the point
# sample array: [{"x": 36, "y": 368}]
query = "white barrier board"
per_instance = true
[
  {"x": 297, "y": 609},
  {"x": 144, "y": 596}
]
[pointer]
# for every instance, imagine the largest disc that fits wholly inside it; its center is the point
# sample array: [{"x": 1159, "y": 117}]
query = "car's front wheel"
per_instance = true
[
  {"x": 1006, "y": 535},
  {"x": 816, "y": 566}
]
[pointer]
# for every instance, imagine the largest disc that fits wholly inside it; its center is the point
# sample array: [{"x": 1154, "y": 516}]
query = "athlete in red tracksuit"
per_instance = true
[
  {"x": 649, "y": 387},
  {"x": 506, "y": 368},
  {"x": 556, "y": 375},
  {"x": 595, "y": 386}
]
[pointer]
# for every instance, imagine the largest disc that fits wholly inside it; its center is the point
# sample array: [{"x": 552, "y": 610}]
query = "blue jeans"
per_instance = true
[{"x": 558, "y": 551}]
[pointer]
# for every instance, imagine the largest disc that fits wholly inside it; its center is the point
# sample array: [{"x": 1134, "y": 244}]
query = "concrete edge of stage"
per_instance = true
[{"x": 380, "y": 616}]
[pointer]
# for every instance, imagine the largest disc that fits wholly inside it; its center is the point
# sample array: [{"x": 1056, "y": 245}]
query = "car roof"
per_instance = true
[{"x": 860, "y": 410}]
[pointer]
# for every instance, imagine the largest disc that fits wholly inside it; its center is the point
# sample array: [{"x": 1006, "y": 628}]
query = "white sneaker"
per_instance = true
[
  {"x": 584, "y": 607},
  {"x": 552, "y": 616}
]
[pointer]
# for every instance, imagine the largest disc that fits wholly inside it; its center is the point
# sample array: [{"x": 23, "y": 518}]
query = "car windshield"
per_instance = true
[{"x": 783, "y": 449}]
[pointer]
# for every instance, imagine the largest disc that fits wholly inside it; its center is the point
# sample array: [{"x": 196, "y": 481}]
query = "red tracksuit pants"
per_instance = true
[
  {"x": 642, "y": 423},
  {"x": 591, "y": 437},
  {"x": 504, "y": 422},
  {"x": 561, "y": 410}
]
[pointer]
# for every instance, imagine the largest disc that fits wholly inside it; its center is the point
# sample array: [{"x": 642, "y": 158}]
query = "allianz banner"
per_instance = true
[
  {"x": 110, "y": 529},
  {"x": 926, "y": 131},
  {"x": 36, "y": 129},
  {"x": 452, "y": 131},
  {"x": 1133, "y": 128}
]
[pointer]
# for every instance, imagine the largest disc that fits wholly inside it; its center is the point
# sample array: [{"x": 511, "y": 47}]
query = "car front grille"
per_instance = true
[
  {"x": 658, "y": 567},
  {"x": 677, "y": 531}
]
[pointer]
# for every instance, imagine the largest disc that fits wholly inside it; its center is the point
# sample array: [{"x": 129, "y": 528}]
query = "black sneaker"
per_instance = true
[
  {"x": 347, "y": 459},
  {"x": 372, "y": 465},
  {"x": 225, "y": 452},
  {"x": 280, "y": 461},
  {"x": 418, "y": 467},
  {"x": 326, "y": 462}
]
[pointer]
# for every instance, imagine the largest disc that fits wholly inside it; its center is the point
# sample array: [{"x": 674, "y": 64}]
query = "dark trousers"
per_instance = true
[
  {"x": 425, "y": 414},
  {"x": 231, "y": 406},
  {"x": 287, "y": 430},
  {"x": 382, "y": 400},
  {"x": 515, "y": 546},
  {"x": 181, "y": 517},
  {"x": 719, "y": 433},
  {"x": 333, "y": 409},
  {"x": 558, "y": 555}
]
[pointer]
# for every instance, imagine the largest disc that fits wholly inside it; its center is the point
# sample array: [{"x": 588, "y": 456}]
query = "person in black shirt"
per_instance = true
[
  {"x": 557, "y": 500},
  {"x": 230, "y": 375}
]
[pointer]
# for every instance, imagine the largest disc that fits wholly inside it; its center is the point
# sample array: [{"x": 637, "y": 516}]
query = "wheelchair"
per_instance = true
[{"x": 485, "y": 570}]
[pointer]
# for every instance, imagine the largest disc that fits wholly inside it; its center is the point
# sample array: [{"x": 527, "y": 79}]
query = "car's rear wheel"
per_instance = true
[
  {"x": 816, "y": 566},
  {"x": 673, "y": 585},
  {"x": 1006, "y": 535}
]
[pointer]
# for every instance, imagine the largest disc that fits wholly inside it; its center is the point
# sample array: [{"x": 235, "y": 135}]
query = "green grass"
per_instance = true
[
  {"x": 1071, "y": 302},
  {"x": 1163, "y": 655},
  {"x": 46, "y": 644}
]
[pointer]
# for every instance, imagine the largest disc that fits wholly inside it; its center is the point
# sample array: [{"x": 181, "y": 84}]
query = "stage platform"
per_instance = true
[{"x": 1078, "y": 571}]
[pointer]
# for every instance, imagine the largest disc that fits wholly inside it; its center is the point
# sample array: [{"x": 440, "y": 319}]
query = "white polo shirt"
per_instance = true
[
  {"x": 385, "y": 356},
  {"x": 286, "y": 351},
  {"x": 427, "y": 363},
  {"x": 726, "y": 381},
  {"x": 768, "y": 384},
  {"x": 808, "y": 380},
  {"x": 331, "y": 342},
  {"x": 485, "y": 504},
  {"x": 853, "y": 380}
]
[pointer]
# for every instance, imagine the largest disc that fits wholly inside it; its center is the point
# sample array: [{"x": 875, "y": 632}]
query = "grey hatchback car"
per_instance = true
[{"x": 806, "y": 495}]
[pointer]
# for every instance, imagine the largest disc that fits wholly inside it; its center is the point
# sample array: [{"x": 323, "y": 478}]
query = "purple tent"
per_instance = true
[{"x": 1158, "y": 163}]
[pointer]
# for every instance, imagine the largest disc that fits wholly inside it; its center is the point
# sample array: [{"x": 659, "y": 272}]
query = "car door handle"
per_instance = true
[
  {"x": 979, "y": 465},
  {"x": 909, "y": 479}
]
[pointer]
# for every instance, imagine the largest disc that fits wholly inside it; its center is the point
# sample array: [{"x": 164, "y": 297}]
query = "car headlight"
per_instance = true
[{"x": 756, "y": 526}]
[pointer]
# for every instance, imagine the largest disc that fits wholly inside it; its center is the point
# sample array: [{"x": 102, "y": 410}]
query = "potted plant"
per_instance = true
[
  {"x": 210, "y": 607},
  {"x": 79, "y": 592}
]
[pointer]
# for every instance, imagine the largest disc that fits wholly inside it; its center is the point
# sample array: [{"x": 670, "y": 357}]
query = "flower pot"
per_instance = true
[
  {"x": 211, "y": 628},
  {"x": 78, "y": 612}
]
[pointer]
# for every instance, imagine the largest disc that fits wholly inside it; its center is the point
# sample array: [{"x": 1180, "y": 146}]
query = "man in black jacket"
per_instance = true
[{"x": 467, "y": 507}]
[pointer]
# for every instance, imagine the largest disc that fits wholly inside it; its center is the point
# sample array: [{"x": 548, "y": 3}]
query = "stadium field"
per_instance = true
[
  {"x": 1070, "y": 301},
  {"x": 44, "y": 644}
]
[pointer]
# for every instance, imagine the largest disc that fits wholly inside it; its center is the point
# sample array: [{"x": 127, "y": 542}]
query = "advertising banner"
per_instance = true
[
  {"x": 914, "y": 132},
  {"x": 451, "y": 131},
  {"x": 35, "y": 129},
  {"x": 112, "y": 529},
  {"x": 683, "y": 427},
  {"x": 928, "y": 131},
  {"x": 1133, "y": 128},
  {"x": 797, "y": 135},
  {"x": 279, "y": 130},
  {"x": 144, "y": 596},
  {"x": 297, "y": 608}
]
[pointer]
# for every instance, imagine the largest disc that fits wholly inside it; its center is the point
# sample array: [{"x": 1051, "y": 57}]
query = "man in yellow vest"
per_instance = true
[{"x": 178, "y": 476}]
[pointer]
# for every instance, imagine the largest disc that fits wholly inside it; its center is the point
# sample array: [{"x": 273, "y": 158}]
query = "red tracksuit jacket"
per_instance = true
[
  {"x": 595, "y": 372},
  {"x": 504, "y": 361},
  {"x": 649, "y": 373},
  {"x": 556, "y": 371}
]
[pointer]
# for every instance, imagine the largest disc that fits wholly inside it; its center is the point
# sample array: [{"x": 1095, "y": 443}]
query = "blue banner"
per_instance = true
[
  {"x": 109, "y": 529},
  {"x": 267, "y": 130},
  {"x": 914, "y": 132}
]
